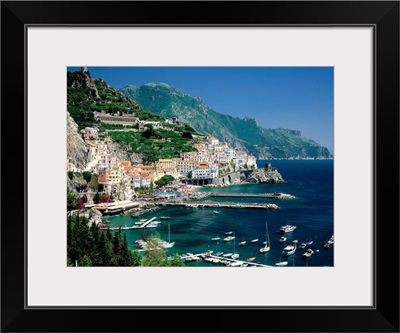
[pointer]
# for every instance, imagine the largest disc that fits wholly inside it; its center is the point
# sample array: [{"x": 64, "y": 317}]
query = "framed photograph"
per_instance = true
[{"x": 205, "y": 135}]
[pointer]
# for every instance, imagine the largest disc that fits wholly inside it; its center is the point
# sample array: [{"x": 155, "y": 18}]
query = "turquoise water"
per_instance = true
[{"x": 192, "y": 229}]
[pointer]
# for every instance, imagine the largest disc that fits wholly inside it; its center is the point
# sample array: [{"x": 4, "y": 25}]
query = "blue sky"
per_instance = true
[{"x": 298, "y": 98}]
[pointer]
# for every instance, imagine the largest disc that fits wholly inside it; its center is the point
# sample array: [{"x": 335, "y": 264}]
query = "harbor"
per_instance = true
[{"x": 199, "y": 226}]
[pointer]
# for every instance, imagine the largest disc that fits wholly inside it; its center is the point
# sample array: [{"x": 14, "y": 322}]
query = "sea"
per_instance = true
[{"x": 194, "y": 230}]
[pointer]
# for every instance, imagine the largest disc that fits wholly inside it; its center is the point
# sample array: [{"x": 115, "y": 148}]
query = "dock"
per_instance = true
[
  {"x": 229, "y": 262},
  {"x": 141, "y": 226},
  {"x": 253, "y": 195},
  {"x": 210, "y": 204}
]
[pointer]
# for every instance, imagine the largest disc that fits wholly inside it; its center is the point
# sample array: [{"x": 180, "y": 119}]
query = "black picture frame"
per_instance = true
[{"x": 383, "y": 16}]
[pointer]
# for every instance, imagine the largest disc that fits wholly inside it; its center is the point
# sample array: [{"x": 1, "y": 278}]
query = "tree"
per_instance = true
[
  {"x": 87, "y": 176},
  {"x": 176, "y": 261},
  {"x": 187, "y": 135},
  {"x": 189, "y": 175},
  {"x": 85, "y": 261},
  {"x": 71, "y": 201},
  {"x": 155, "y": 254},
  {"x": 125, "y": 256}
]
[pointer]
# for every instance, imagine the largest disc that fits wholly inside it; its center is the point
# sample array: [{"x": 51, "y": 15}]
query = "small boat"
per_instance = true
[
  {"x": 219, "y": 253},
  {"x": 267, "y": 245},
  {"x": 326, "y": 245},
  {"x": 229, "y": 233},
  {"x": 242, "y": 243},
  {"x": 331, "y": 240},
  {"x": 216, "y": 212},
  {"x": 309, "y": 243},
  {"x": 164, "y": 218},
  {"x": 229, "y": 238},
  {"x": 235, "y": 256},
  {"x": 281, "y": 263},
  {"x": 236, "y": 264},
  {"x": 282, "y": 239},
  {"x": 254, "y": 240},
  {"x": 302, "y": 246},
  {"x": 251, "y": 259},
  {"x": 290, "y": 249},
  {"x": 286, "y": 228},
  {"x": 216, "y": 238},
  {"x": 308, "y": 253},
  {"x": 227, "y": 254}
]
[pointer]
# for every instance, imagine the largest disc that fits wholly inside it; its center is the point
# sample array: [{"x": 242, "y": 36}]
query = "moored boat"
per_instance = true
[
  {"x": 290, "y": 249},
  {"x": 229, "y": 238},
  {"x": 282, "y": 239},
  {"x": 242, "y": 243},
  {"x": 267, "y": 245},
  {"x": 308, "y": 253},
  {"x": 302, "y": 246},
  {"x": 281, "y": 263},
  {"x": 286, "y": 228}
]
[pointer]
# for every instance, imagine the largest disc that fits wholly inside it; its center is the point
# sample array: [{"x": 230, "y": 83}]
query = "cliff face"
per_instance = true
[
  {"x": 264, "y": 175},
  {"x": 76, "y": 147}
]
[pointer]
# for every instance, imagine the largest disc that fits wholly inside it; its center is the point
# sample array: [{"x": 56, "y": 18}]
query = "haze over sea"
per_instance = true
[{"x": 192, "y": 229}]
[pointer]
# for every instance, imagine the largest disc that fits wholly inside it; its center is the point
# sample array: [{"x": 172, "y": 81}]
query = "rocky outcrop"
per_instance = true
[
  {"x": 93, "y": 215},
  {"x": 76, "y": 147},
  {"x": 86, "y": 82},
  {"x": 77, "y": 183},
  {"x": 265, "y": 175}
]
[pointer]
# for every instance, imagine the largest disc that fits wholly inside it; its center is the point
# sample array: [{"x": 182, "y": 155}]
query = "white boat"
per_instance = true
[
  {"x": 331, "y": 240},
  {"x": 310, "y": 242},
  {"x": 286, "y": 228},
  {"x": 169, "y": 244},
  {"x": 242, "y": 243},
  {"x": 308, "y": 253},
  {"x": 236, "y": 264},
  {"x": 281, "y": 263},
  {"x": 282, "y": 239},
  {"x": 267, "y": 245},
  {"x": 290, "y": 249},
  {"x": 229, "y": 238},
  {"x": 216, "y": 212},
  {"x": 227, "y": 254},
  {"x": 254, "y": 240},
  {"x": 164, "y": 218},
  {"x": 302, "y": 246},
  {"x": 215, "y": 238},
  {"x": 235, "y": 255}
]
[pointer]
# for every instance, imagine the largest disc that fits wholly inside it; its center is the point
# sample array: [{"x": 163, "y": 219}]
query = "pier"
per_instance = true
[
  {"x": 253, "y": 195},
  {"x": 229, "y": 262},
  {"x": 210, "y": 204}
]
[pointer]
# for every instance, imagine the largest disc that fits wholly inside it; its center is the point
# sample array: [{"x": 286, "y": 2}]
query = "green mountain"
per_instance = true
[{"x": 245, "y": 133}]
